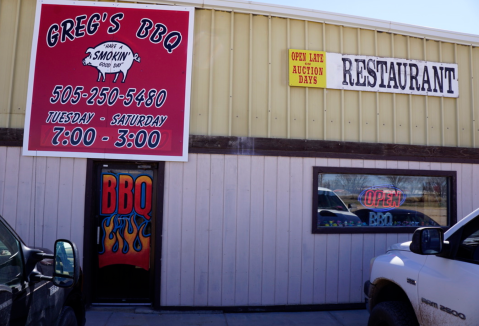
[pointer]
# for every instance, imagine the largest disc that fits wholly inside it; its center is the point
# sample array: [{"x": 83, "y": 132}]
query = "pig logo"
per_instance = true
[{"x": 111, "y": 57}]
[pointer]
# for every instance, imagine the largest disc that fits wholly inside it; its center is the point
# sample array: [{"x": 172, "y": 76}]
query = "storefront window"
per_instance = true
[{"x": 366, "y": 200}]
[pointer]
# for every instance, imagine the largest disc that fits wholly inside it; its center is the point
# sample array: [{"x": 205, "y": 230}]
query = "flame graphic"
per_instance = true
[{"x": 124, "y": 242}]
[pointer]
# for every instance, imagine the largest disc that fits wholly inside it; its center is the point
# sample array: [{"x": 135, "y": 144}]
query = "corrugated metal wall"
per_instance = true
[
  {"x": 240, "y": 82},
  {"x": 240, "y": 85},
  {"x": 43, "y": 199},
  {"x": 237, "y": 231}
]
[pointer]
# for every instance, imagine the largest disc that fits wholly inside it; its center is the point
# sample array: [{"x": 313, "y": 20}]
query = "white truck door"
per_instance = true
[{"x": 448, "y": 288}]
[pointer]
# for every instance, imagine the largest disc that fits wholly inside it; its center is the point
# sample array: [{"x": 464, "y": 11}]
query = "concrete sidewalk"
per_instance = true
[{"x": 148, "y": 317}]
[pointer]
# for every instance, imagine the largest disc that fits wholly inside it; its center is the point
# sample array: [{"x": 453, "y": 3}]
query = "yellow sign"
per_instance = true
[{"x": 307, "y": 68}]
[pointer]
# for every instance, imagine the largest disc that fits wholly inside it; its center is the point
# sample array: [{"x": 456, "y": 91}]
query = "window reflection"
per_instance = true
[{"x": 382, "y": 200}]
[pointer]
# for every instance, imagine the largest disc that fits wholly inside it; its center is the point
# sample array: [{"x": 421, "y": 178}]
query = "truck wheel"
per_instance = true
[
  {"x": 67, "y": 317},
  {"x": 392, "y": 313}
]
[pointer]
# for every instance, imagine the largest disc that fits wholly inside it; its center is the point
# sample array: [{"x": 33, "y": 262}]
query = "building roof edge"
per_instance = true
[{"x": 327, "y": 17}]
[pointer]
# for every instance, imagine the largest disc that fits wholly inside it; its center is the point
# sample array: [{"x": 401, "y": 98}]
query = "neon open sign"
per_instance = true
[{"x": 382, "y": 198}]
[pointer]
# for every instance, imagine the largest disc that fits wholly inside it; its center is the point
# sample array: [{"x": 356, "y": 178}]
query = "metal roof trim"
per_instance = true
[{"x": 259, "y": 8}]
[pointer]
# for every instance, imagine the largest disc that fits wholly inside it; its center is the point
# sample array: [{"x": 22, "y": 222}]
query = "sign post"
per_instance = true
[{"x": 110, "y": 80}]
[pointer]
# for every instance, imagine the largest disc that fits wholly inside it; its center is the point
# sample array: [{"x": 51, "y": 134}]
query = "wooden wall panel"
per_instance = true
[
  {"x": 203, "y": 181},
  {"x": 65, "y": 198},
  {"x": 42, "y": 198},
  {"x": 256, "y": 231},
  {"x": 269, "y": 231},
  {"x": 237, "y": 232},
  {"x": 24, "y": 203},
  {"x": 345, "y": 270},
  {"x": 356, "y": 293},
  {"x": 10, "y": 198},
  {"x": 39, "y": 199},
  {"x": 308, "y": 281},
  {"x": 216, "y": 230},
  {"x": 282, "y": 232},
  {"x": 173, "y": 237},
  {"x": 332, "y": 268},
  {"x": 78, "y": 203},
  {"x": 188, "y": 221},
  {"x": 243, "y": 227},
  {"x": 295, "y": 199},
  {"x": 229, "y": 230},
  {"x": 3, "y": 172},
  {"x": 50, "y": 217}
]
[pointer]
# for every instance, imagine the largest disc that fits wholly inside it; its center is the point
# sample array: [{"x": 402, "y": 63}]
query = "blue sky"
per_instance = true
[{"x": 453, "y": 15}]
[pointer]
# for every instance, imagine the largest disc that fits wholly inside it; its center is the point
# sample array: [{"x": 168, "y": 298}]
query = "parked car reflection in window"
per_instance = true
[
  {"x": 332, "y": 211},
  {"x": 395, "y": 217}
]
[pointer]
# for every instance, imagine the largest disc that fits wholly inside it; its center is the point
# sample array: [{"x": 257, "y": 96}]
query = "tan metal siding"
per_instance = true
[
  {"x": 258, "y": 113},
  {"x": 219, "y": 84},
  {"x": 350, "y": 99},
  {"x": 240, "y": 81},
  {"x": 279, "y": 97},
  {"x": 475, "y": 92},
  {"x": 464, "y": 100},
  {"x": 297, "y": 102},
  {"x": 203, "y": 58}
]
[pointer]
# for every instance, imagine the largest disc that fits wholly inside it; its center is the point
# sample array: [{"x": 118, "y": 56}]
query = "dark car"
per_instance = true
[
  {"x": 395, "y": 217},
  {"x": 332, "y": 211},
  {"x": 38, "y": 287}
]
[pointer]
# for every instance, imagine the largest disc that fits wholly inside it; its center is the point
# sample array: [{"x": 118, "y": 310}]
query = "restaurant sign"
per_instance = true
[
  {"x": 109, "y": 80},
  {"x": 373, "y": 74}
]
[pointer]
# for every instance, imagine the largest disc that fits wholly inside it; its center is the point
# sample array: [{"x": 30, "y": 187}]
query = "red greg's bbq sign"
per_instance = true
[{"x": 109, "y": 80}]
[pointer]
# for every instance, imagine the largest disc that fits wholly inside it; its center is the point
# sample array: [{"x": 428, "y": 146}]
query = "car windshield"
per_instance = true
[
  {"x": 11, "y": 265},
  {"x": 329, "y": 200}
]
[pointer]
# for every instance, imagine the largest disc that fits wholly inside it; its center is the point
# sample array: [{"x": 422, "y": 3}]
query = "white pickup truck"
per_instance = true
[{"x": 432, "y": 280}]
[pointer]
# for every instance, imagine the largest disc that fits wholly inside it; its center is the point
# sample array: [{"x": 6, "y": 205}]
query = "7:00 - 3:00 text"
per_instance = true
[{"x": 79, "y": 137}]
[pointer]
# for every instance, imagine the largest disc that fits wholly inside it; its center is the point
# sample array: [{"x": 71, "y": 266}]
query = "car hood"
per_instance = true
[
  {"x": 337, "y": 212},
  {"x": 404, "y": 246}
]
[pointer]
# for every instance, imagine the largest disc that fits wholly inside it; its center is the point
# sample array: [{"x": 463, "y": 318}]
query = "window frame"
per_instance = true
[{"x": 452, "y": 202}]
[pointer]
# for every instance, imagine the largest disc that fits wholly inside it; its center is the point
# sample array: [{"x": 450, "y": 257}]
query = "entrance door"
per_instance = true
[{"x": 123, "y": 216}]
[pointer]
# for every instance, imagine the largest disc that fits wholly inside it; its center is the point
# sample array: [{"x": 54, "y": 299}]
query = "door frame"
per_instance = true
[{"x": 89, "y": 234}]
